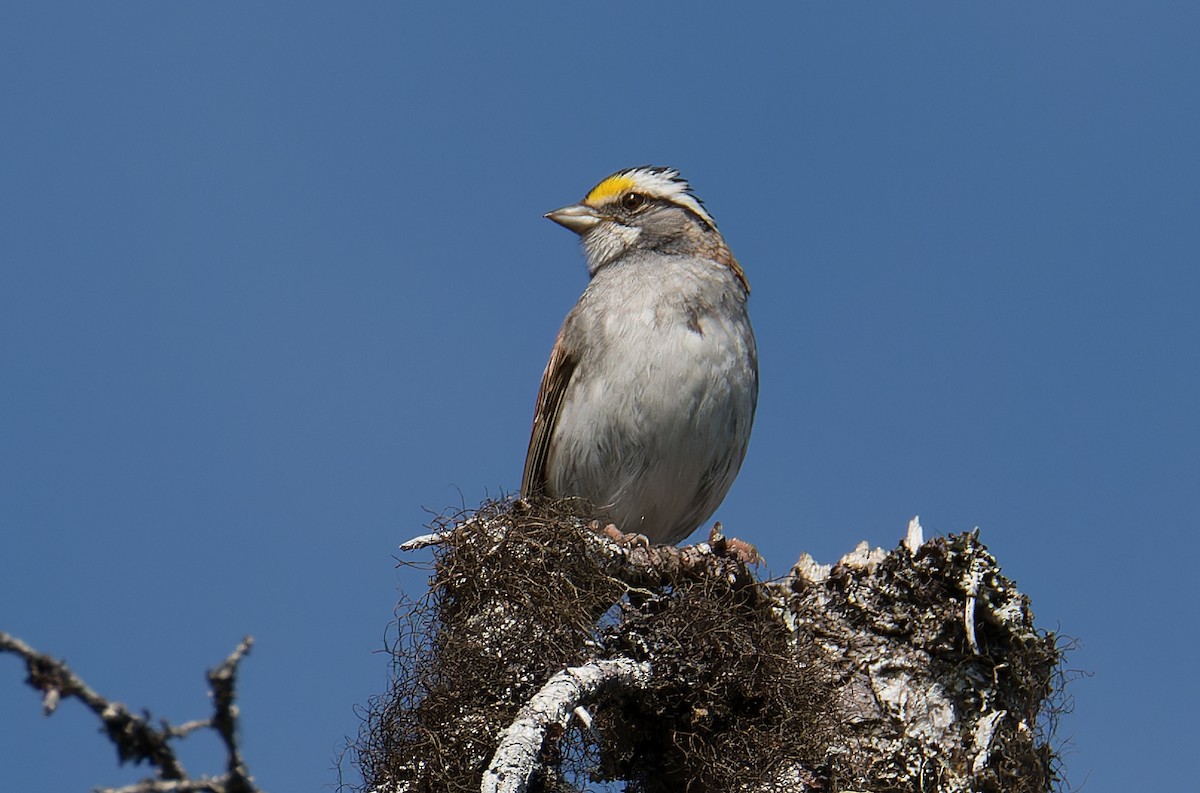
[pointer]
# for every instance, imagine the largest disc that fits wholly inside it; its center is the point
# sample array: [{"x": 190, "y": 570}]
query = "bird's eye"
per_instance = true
[{"x": 632, "y": 201}]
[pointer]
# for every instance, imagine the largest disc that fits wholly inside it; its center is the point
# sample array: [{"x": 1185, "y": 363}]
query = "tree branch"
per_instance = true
[
  {"x": 516, "y": 757},
  {"x": 136, "y": 740}
]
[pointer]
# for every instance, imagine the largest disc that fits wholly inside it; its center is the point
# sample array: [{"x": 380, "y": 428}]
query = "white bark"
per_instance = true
[{"x": 516, "y": 757}]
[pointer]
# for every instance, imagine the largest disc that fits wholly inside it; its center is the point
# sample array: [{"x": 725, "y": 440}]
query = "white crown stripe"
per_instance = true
[{"x": 662, "y": 183}]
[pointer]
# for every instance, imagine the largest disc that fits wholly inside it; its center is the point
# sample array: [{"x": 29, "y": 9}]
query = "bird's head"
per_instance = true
[{"x": 646, "y": 208}]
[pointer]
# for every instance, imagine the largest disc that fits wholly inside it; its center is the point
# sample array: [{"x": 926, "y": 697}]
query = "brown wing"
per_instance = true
[{"x": 545, "y": 416}]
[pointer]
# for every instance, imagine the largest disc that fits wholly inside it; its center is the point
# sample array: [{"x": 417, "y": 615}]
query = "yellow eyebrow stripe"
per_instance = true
[{"x": 611, "y": 187}]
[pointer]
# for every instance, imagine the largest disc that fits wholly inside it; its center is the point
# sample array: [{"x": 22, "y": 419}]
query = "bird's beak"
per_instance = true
[{"x": 579, "y": 218}]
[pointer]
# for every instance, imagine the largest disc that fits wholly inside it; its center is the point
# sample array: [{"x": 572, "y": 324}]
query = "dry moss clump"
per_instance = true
[
  {"x": 514, "y": 598},
  {"x": 736, "y": 702}
]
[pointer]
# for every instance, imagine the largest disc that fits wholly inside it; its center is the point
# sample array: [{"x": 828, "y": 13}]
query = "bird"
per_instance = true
[{"x": 646, "y": 404}]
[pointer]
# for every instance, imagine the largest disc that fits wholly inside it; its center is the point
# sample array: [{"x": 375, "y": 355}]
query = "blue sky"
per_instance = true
[{"x": 274, "y": 282}]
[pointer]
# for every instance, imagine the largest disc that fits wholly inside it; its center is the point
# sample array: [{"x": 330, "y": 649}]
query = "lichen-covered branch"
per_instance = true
[
  {"x": 520, "y": 745},
  {"x": 918, "y": 668}
]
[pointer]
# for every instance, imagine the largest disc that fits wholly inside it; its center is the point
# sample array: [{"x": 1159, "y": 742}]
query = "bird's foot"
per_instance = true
[
  {"x": 732, "y": 548},
  {"x": 619, "y": 537}
]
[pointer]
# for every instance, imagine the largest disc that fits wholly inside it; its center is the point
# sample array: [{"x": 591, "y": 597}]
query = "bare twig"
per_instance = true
[
  {"x": 424, "y": 541},
  {"x": 187, "y": 728},
  {"x": 222, "y": 680},
  {"x": 136, "y": 739}
]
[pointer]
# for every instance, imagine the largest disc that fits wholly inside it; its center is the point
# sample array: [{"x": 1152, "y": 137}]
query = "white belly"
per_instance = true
[{"x": 656, "y": 420}]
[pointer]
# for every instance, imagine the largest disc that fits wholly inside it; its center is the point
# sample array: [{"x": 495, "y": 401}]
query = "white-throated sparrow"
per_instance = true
[{"x": 646, "y": 404}]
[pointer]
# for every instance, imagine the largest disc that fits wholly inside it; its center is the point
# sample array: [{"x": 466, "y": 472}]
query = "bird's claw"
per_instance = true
[
  {"x": 619, "y": 537},
  {"x": 732, "y": 548}
]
